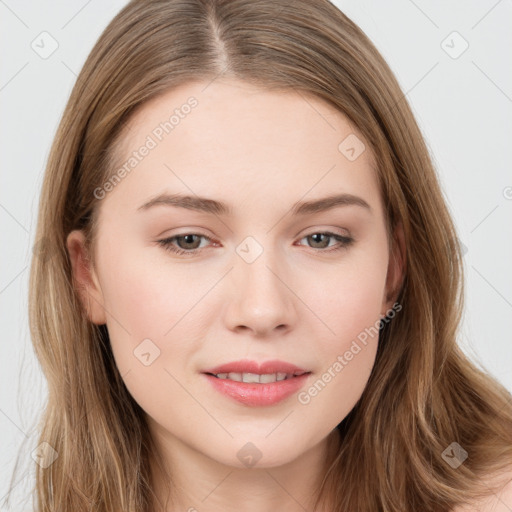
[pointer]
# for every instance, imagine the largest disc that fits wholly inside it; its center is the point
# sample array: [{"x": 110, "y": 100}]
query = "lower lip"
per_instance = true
[{"x": 255, "y": 394}]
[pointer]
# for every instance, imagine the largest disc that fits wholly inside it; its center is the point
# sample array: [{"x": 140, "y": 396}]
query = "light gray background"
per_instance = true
[{"x": 462, "y": 104}]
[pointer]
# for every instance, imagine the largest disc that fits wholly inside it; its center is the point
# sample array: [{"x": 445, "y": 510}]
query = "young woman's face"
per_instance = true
[{"x": 266, "y": 272}]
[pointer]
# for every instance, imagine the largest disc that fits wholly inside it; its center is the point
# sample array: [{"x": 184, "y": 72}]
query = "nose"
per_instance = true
[{"x": 262, "y": 298}]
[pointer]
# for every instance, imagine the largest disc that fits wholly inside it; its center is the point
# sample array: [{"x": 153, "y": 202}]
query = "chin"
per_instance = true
[{"x": 262, "y": 453}]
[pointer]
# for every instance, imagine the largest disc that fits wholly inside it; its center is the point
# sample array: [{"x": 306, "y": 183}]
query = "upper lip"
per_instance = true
[{"x": 247, "y": 366}]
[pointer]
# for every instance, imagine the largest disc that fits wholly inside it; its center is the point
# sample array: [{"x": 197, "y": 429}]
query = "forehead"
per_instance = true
[{"x": 231, "y": 140}]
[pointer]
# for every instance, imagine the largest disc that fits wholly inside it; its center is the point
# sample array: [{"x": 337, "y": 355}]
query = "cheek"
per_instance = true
[
  {"x": 333, "y": 392},
  {"x": 349, "y": 301},
  {"x": 349, "y": 307},
  {"x": 155, "y": 309},
  {"x": 347, "y": 356},
  {"x": 144, "y": 303},
  {"x": 150, "y": 332},
  {"x": 149, "y": 297}
]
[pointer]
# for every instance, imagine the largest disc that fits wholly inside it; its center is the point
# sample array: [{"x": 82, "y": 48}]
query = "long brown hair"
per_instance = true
[{"x": 423, "y": 394}]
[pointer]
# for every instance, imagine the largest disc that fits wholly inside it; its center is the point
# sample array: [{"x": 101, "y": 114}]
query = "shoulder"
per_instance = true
[{"x": 501, "y": 501}]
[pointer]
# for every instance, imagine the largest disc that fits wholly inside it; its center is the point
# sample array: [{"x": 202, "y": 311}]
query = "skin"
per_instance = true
[
  {"x": 260, "y": 152},
  {"x": 500, "y": 501}
]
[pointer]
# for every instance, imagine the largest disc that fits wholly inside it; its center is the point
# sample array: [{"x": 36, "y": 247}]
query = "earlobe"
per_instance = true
[
  {"x": 84, "y": 277},
  {"x": 397, "y": 266}
]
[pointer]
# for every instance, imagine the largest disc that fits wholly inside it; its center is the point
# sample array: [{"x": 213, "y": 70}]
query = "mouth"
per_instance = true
[
  {"x": 255, "y": 378},
  {"x": 254, "y": 384},
  {"x": 252, "y": 370}
]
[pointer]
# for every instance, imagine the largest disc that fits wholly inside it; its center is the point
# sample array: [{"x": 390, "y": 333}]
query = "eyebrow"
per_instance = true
[{"x": 212, "y": 206}]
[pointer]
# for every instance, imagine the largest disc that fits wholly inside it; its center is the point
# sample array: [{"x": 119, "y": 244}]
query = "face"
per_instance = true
[{"x": 261, "y": 271}]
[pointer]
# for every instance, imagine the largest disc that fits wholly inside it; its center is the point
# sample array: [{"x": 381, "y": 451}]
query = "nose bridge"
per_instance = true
[{"x": 261, "y": 300}]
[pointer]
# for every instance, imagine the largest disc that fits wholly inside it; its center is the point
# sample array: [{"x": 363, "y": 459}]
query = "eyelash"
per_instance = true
[{"x": 167, "y": 243}]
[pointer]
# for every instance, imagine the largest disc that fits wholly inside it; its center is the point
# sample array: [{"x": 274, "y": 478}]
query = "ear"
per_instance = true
[
  {"x": 396, "y": 268},
  {"x": 85, "y": 279}
]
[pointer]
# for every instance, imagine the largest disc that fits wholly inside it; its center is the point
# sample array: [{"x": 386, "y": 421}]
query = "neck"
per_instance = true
[{"x": 198, "y": 482}]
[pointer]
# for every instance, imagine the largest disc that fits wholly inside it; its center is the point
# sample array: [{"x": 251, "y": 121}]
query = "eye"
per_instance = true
[
  {"x": 188, "y": 242},
  {"x": 320, "y": 238}
]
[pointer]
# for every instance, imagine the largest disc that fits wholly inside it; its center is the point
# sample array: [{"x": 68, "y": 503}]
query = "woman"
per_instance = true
[{"x": 255, "y": 284}]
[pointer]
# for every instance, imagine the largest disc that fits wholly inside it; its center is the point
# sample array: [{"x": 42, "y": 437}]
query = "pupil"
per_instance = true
[
  {"x": 316, "y": 237},
  {"x": 188, "y": 239}
]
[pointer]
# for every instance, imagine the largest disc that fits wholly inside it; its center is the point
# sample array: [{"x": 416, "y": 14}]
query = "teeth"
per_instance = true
[
  {"x": 250, "y": 377},
  {"x": 265, "y": 378}
]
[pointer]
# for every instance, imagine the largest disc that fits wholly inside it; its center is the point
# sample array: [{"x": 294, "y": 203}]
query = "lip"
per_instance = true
[
  {"x": 255, "y": 394},
  {"x": 247, "y": 366}
]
